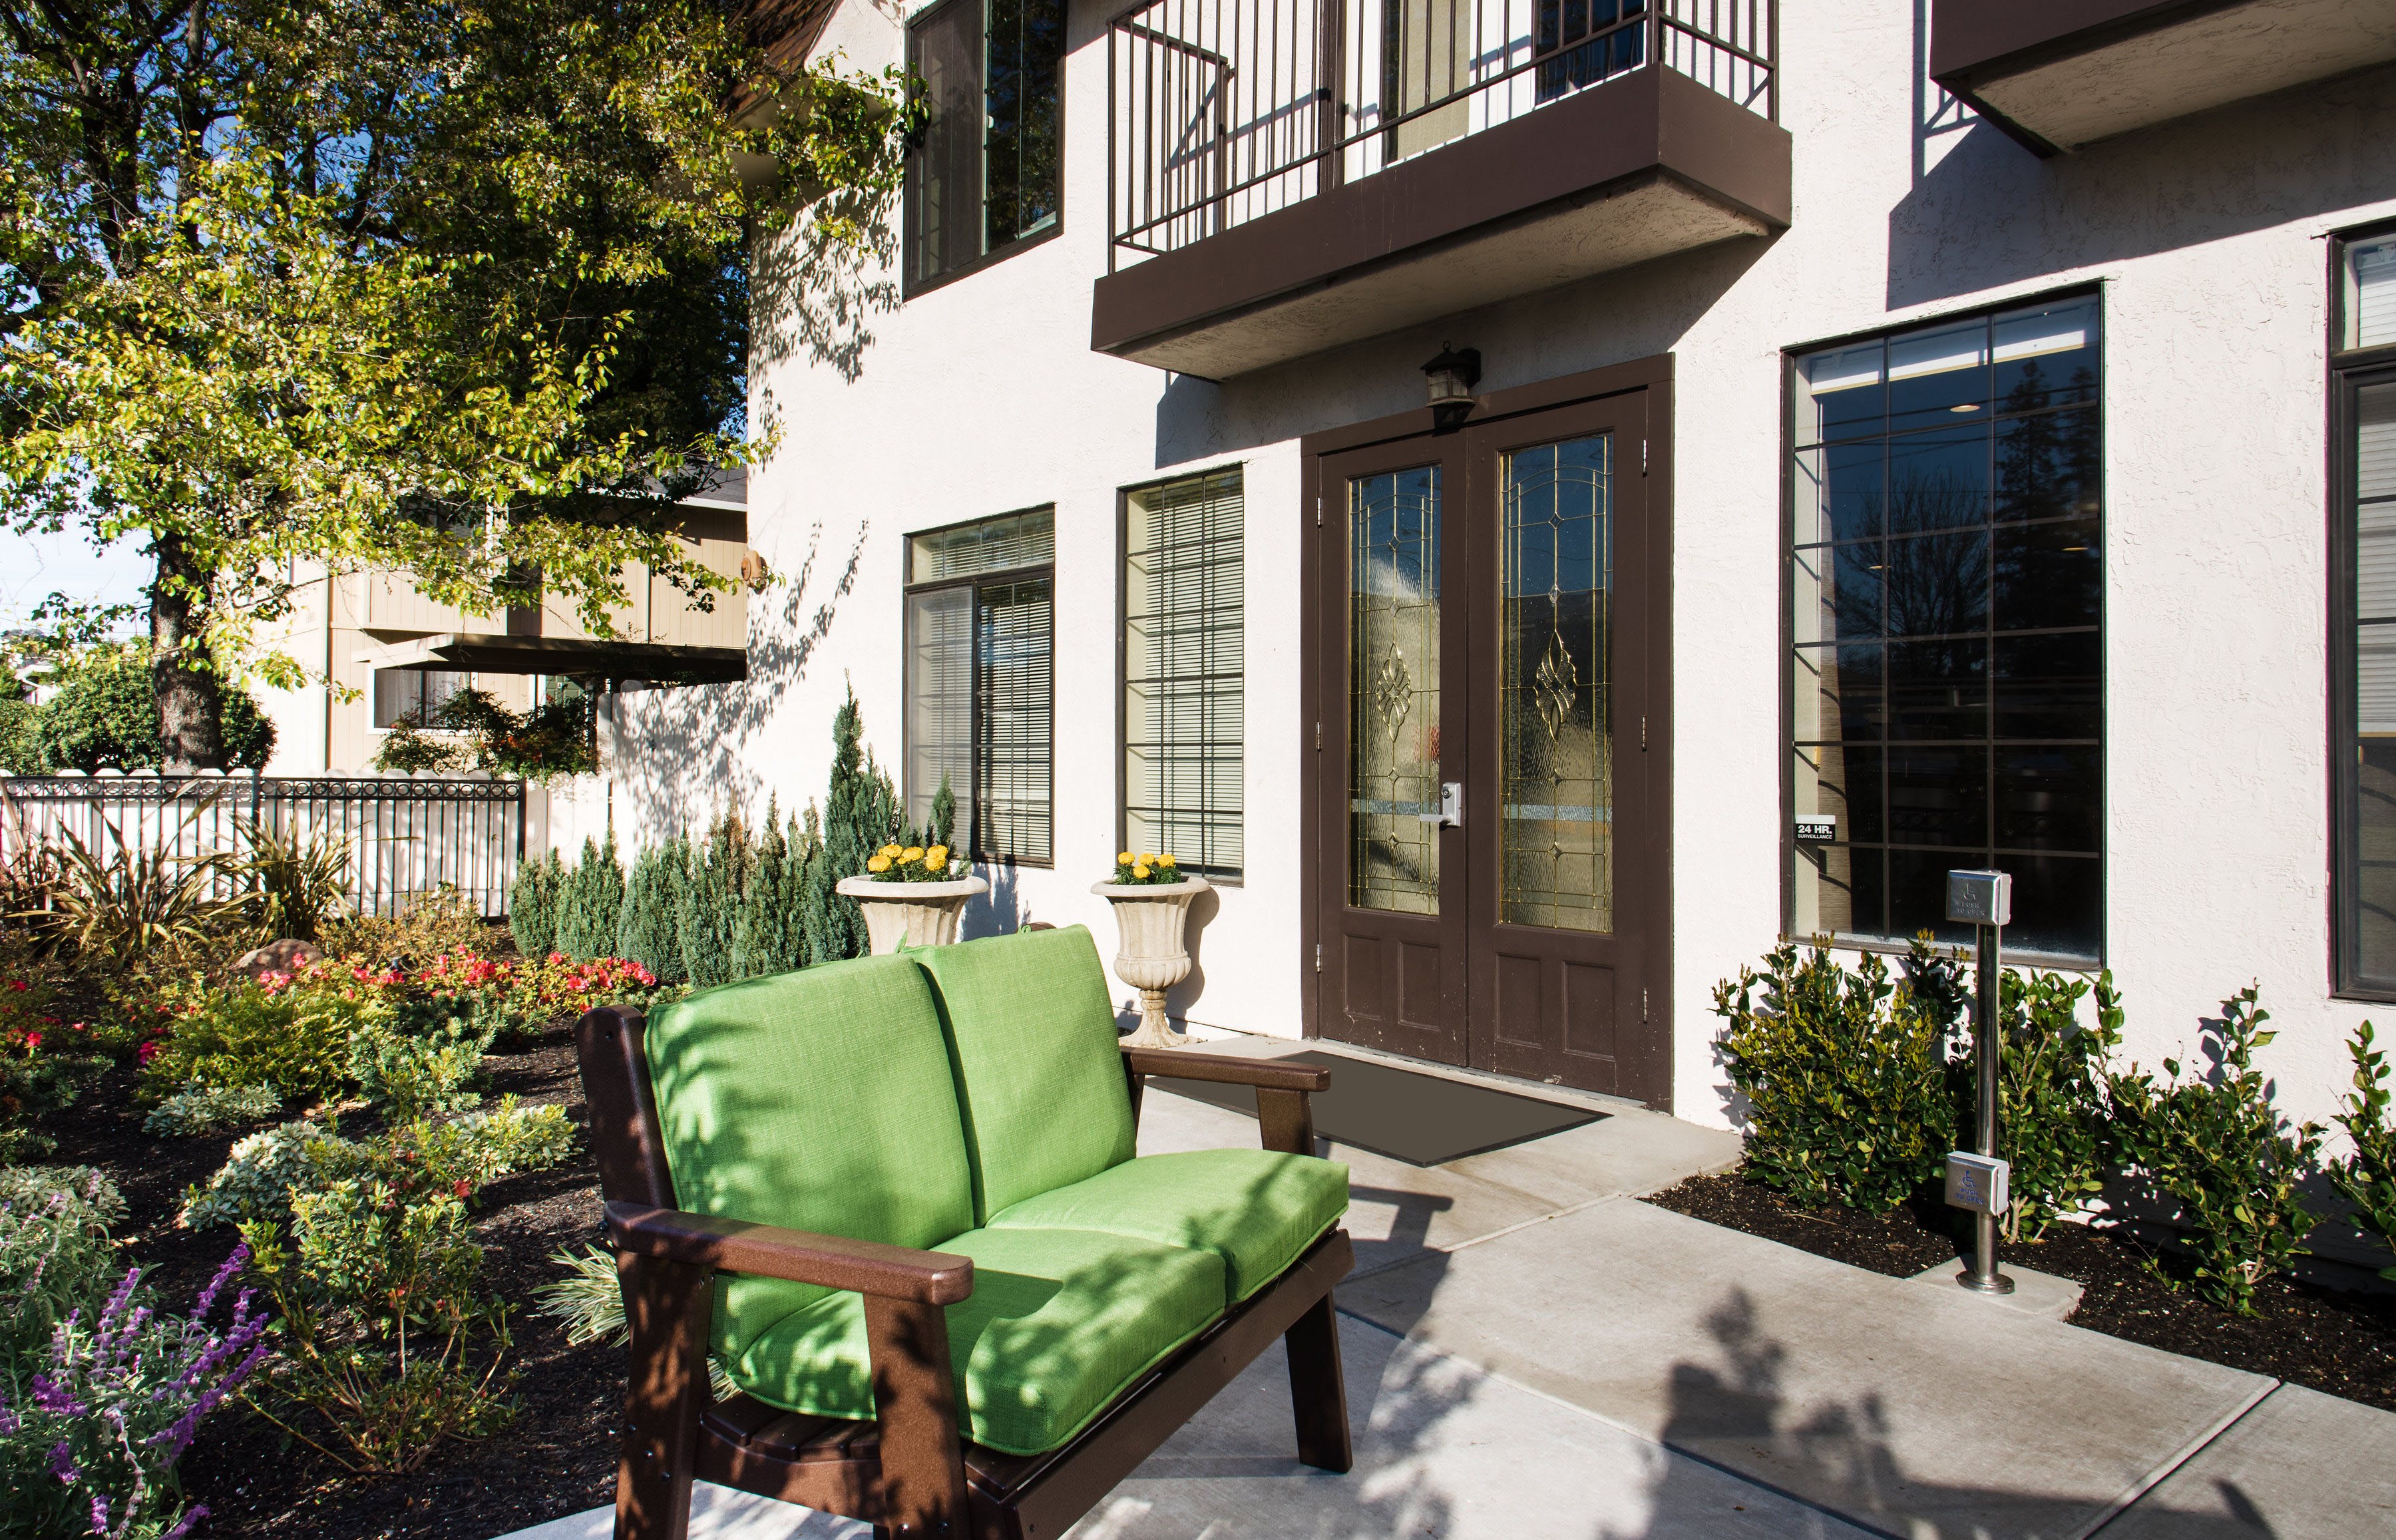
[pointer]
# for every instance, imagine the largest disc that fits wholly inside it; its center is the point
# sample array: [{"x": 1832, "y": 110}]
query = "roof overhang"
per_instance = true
[{"x": 486, "y": 653}]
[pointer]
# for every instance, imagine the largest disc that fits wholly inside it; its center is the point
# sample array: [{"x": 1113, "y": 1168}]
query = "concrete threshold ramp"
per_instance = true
[{"x": 1920, "y": 1413}]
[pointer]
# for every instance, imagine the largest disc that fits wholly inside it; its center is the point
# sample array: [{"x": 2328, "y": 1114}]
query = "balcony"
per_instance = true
[
  {"x": 1286, "y": 178},
  {"x": 2058, "y": 74}
]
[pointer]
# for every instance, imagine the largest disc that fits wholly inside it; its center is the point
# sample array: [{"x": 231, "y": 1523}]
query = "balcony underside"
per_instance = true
[
  {"x": 2058, "y": 75},
  {"x": 486, "y": 653},
  {"x": 1640, "y": 168}
]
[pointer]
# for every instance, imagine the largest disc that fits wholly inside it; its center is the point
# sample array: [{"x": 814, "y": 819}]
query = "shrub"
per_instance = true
[
  {"x": 407, "y": 750},
  {"x": 771, "y": 936},
  {"x": 392, "y": 1343},
  {"x": 258, "y": 1178},
  {"x": 2052, "y": 1111},
  {"x": 2220, "y": 1150},
  {"x": 554, "y": 738},
  {"x": 430, "y": 925},
  {"x": 590, "y": 1301},
  {"x": 298, "y": 884},
  {"x": 532, "y": 905},
  {"x": 211, "y": 1110},
  {"x": 707, "y": 921},
  {"x": 407, "y": 1075},
  {"x": 291, "y": 1035},
  {"x": 55, "y": 1254},
  {"x": 860, "y": 812},
  {"x": 2367, "y": 1177},
  {"x": 649, "y": 932},
  {"x": 106, "y": 717},
  {"x": 1846, "y": 1076},
  {"x": 591, "y": 902},
  {"x": 90, "y": 1439}
]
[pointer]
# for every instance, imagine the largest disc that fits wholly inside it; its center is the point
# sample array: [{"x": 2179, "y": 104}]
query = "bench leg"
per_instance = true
[
  {"x": 915, "y": 1402},
  {"x": 1318, "y": 1391},
  {"x": 668, "y": 1305}
]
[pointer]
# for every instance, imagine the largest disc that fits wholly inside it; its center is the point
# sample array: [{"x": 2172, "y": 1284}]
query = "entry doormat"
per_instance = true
[{"x": 1423, "y": 1119}]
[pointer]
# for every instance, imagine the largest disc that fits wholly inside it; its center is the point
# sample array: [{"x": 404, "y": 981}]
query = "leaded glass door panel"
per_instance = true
[
  {"x": 1559, "y": 719},
  {"x": 1392, "y": 903}
]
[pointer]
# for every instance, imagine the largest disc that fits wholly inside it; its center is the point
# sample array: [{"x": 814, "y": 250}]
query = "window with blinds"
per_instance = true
[
  {"x": 2364, "y": 741},
  {"x": 414, "y": 696},
  {"x": 984, "y": 172},
  {"x": 981, "y": 681},
  {"x": 1185, "y": 669}
]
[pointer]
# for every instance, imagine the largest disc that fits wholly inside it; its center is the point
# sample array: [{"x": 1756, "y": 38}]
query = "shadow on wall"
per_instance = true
[
  {"x": 1990, "y": 213},
  {"x": 812, "y": 297},
  {"x": 1000, "y": 911},
  {"x": 688, "y": 766},
  {"x": 1636, "y": 313}
]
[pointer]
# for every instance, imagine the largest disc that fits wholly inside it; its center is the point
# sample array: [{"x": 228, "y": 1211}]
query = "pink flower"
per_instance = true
[{"x": 150, "y": 1050}]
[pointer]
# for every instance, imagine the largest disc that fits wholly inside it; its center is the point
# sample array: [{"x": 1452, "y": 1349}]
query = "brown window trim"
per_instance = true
[{"x": 910, "y": 286}]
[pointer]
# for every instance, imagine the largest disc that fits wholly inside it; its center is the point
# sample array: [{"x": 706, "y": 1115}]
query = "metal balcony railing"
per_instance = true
[{"x": 1223, "y": 110}]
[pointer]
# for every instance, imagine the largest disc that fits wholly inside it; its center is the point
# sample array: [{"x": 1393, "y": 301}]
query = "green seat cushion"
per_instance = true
[
  {"x": 1060, "y": 1323},
  {"x": 819, "y": 1100},
  {"x": 1256, "y": 1209},
  {"x": 1032, "y": 1033}
]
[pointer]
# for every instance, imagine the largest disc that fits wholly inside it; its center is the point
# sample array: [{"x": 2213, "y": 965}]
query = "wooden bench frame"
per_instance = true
[{"x": 908, "y": 1472}]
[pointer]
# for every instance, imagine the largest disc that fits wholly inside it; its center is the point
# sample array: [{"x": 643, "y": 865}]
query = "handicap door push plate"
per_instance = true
[
  {"x": 1978, "y": 1183},
  {"x": 1451, "y": 806}
]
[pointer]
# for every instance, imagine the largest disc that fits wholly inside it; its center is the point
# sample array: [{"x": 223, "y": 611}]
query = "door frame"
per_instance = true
[{"x": 1652, "y": 376}]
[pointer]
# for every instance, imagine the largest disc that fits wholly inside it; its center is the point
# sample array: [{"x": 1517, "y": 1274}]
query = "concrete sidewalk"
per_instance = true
[{"x": 1532, "y": 1352}]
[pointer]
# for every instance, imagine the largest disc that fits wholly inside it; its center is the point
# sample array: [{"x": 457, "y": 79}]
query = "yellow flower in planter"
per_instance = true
[
  {"x": 1140, "y": 873},
  {"x": 912, "y": 853},
  {"x": 888, "y": 852},
  {"x": 1165, "y": 861},
  {"x": 878, "y": 862},
  {"x": 937, "y": 857},
  {"x": 1122, "y": 857}
]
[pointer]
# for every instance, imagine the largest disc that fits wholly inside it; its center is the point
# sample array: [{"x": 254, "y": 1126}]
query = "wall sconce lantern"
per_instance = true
[{"x": 1452, "y": 375}]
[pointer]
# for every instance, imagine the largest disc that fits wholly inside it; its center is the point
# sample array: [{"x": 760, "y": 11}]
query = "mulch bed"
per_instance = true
[
  {"x": 559, "y": 1455},
  {"x": 2329, "y": 1339}
]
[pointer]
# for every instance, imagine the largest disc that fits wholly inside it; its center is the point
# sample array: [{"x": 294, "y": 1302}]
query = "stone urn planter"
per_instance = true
[
  {"x": 915, "y": 914},
  {"x": 1154, "y": 955}
]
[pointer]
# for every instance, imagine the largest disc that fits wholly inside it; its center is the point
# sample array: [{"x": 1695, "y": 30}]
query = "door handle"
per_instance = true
[{"x": 1451, "y": 806}]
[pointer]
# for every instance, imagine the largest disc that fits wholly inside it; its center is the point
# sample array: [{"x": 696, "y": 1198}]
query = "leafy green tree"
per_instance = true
[
  {"x": 300, "y": 288},
  {"x": 104, "y": 718}
]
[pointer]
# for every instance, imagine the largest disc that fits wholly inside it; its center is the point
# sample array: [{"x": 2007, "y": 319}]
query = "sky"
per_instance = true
[{"x": 33, "y": 566}]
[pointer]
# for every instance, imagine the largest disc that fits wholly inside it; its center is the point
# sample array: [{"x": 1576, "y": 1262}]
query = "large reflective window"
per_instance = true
[{"x": 1946, "y": 594}]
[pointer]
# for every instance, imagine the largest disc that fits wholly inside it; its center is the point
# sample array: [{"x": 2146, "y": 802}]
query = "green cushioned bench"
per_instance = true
[{"x": 897, "y": 1199}]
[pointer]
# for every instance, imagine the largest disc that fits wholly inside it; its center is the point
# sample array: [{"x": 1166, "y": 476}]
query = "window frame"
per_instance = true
[
  {"x": 2346, "y": 372},
  {"x": 1123, "y": 656},
  {"x": 910, "y": 285},
  {"x": 423, "y": 709},
  {"x": 972, "y": 583},
  {"x": 1786, "y": 739}
]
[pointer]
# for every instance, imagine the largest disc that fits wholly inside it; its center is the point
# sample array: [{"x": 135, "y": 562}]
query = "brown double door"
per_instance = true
[{"x": 1489, "y": 869}]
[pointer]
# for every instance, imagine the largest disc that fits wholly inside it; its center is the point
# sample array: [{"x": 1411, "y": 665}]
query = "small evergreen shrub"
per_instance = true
[
  {"x": 2367, "y": 1177},
  {"x": 289, "y": 1034},
  {"x": 532, "y": 905},
  {"x": 211, "y": 1110},
  {"x": 2054, "y": 1121},
  {"x": 860, "y": 813},
  {"x": 770, "y": 935},
  {"x": 406, "y": 1076},
  {"x": 1845, "y": 1075},
  {"x": 649, "y": 932},
  {"x": 2220, "y": 1150},
  {"x": 591, "y": 902},
  {"x": 709, "y": 917}
]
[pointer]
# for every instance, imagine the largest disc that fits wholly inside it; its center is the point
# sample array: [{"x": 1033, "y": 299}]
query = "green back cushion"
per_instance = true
[
  {"x": 1032, "y": 1034},
  {"x": 819, "y": 1100}
]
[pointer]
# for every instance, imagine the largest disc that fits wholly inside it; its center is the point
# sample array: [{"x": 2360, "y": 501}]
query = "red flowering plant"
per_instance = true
[
  {"x": 514, "y": 1000},
  {"x": 45, "y": 1063}
]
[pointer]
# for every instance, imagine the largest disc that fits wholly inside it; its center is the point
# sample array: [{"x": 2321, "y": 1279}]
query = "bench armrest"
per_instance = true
[
  {"x": 801, "y": 1256},
  {"x": 1224, "y": 1068}
]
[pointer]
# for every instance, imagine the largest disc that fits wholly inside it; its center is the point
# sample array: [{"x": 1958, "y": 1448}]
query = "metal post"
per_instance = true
[{"x": 1983, "y": 1275}]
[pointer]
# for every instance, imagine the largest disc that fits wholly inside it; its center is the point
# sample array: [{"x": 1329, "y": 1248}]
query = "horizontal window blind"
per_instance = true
[
  {"x": 991, "y": 545},
  {"x": 2370, "y": 293},
  {"x": 939, "y": 699},
  {"x": 1185, "y": 667},
  {"x": 414, "y": 695}
]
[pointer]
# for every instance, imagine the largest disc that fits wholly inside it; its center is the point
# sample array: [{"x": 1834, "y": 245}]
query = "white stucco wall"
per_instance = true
[{"x": 2207, "y": 237}]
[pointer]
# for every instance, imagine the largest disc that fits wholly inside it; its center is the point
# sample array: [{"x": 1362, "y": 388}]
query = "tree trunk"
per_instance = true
[{"x": 190, "y": 695}]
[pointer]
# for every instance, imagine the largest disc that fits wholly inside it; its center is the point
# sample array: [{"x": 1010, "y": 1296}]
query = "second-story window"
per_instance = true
[
  {"x": 984, "y": 173},
  {"x": 981, "y": 690}
]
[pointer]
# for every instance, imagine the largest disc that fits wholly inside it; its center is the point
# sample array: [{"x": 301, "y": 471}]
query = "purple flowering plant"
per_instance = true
[{"x": 91, "y": 1429}]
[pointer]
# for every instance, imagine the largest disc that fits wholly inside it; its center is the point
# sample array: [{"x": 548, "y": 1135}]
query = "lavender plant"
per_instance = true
[
  {"x": 55, "y": 1252},
  {"x": 91, "y": 1432}
]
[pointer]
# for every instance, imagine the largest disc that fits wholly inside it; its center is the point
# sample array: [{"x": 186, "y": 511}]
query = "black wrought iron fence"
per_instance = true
[
  {"x": 406, "y": 836},
  {"x": 1223, "y": 110}
]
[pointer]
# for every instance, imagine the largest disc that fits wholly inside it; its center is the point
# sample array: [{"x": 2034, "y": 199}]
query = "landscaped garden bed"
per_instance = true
[{"x": 2336, "y": 1340}]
